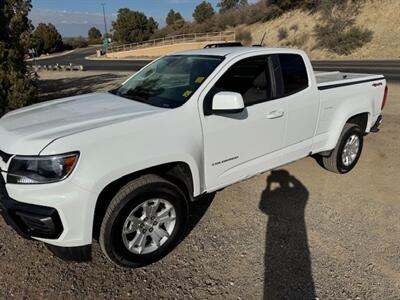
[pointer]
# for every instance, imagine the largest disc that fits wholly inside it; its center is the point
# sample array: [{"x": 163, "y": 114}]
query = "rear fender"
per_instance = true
[{"x": 349, "y": 108}]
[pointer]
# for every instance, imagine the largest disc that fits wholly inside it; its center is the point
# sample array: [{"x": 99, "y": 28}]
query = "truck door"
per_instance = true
[
  {"x": 239, "y": 145},
  {"x": 294, "y": 85}
]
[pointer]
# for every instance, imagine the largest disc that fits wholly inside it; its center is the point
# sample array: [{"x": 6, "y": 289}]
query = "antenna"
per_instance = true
[
  {"x": 105, "y": 23},
  {"x": 262, "y": 40}
]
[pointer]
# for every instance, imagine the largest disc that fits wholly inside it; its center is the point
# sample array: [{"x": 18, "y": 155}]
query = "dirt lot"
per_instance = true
[{"x": 298, "y": 232}]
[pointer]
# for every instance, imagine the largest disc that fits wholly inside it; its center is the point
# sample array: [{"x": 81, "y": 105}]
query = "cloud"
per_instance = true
[{"x": 70, "y": 23}]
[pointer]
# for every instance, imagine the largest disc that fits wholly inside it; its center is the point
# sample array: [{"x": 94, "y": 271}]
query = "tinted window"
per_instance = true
[
  {"x": 294, "y": 73},
  {"x": 170, "y": 81},
  {"x": 249, "y": 77}
]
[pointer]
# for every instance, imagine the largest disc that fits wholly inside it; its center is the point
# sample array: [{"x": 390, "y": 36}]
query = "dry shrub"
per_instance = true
[
  {"x": 282, "y": 33},
  {"x": 244, "y": 36},
  {"x": 298, "y": 41},
  {"x": 337, "y": 31},
  {"x": 272, "y": 12},
  {"x": 294, "y": 27}
]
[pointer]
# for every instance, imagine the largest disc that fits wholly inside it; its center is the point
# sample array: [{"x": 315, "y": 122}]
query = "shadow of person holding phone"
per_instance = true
[{"x": 288, "y": 273}]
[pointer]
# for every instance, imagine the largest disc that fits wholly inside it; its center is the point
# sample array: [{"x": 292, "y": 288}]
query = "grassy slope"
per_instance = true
[{"x": 380, "y": 16}]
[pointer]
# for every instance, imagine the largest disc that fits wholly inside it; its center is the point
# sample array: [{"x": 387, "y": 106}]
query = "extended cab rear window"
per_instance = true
[{"x": 293, "y": 72}]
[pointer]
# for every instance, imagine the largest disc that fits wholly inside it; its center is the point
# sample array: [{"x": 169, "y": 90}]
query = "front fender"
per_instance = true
[{"x": 118, "y": 173}]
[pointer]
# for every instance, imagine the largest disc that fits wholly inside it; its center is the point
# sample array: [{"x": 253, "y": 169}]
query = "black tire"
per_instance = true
[
  {"x": 334, "y": 162},
  {"x": 124, "y": 202}
]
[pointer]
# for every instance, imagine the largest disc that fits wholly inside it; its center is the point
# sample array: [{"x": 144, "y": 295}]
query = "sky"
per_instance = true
[{"x": 75, "y": 17}]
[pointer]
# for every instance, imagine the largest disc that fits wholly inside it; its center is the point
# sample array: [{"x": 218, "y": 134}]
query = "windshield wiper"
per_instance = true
[
  {"x": 133, "y": 97},
  {"x": 146, "y": 100}
]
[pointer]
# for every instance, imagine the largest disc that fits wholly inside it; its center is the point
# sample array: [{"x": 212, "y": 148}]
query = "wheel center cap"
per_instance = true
[{"x": 150, "y": 223}]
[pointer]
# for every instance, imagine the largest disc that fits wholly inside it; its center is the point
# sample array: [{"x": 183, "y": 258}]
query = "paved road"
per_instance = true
[
  {"x": 78, "y": 58},
  {"x": 390, "y": 68}
]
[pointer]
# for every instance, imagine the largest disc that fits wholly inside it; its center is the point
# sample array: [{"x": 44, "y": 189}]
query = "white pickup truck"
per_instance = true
[{"x": 123, "y": 166}]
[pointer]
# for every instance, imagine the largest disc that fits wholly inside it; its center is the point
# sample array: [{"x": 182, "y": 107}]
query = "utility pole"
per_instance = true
[{"x": 105, "y": 23}]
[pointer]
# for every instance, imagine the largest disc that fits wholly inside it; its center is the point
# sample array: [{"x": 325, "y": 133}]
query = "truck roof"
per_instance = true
[{"x": 225, "y": 51}]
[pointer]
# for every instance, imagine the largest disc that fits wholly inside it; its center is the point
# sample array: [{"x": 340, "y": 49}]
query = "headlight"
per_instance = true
[{"x": 41, "y": 169}]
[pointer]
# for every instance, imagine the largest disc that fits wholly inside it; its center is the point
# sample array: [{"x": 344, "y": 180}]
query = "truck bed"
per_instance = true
[{"x": 327, "y": 80}]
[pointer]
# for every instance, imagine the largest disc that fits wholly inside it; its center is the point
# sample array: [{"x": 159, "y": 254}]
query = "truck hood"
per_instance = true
[{"x": 28, "y": 130}]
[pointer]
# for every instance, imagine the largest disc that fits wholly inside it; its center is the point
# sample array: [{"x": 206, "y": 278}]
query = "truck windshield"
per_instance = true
[{"x": 170, "y": 81}]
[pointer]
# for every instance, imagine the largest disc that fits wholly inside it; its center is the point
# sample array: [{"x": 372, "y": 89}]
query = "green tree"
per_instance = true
[
  {"x": 203, "y": 12},
  {"x": 174, "y": 18},
  {"x": 46, "y": 39},
  {"x": 225, "y": 5},
  {"x": 133, "y": 26},
  {"x": 291, "y": 4},
  {"x": 17, "y": 87},
  {"x": 75, "y": 42},
  {"x": 285, "y": 4},
  {"x": 94, "y": 34},
  {"x": 152, "y": 26}
]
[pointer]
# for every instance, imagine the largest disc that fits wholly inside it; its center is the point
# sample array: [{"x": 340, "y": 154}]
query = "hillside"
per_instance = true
[{"x": 380, "y": 16}]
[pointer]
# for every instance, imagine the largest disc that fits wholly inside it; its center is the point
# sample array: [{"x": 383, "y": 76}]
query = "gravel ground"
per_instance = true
[{"x": 296, "y": 232}]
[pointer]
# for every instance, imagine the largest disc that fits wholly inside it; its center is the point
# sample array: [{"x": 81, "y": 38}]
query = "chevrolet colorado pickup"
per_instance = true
[{"x": 123, "y": 166}]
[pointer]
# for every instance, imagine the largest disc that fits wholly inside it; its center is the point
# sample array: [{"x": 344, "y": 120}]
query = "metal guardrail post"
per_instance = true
[{"x": 195, "y": 37}]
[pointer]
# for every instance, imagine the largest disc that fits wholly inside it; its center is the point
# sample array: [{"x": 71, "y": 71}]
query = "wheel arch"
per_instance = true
[
  {"x": 361, "y": 118},
  {"x": 178, "y": 173}
]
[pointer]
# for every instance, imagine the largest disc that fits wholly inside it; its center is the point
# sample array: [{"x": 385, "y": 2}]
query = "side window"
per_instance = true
[
  {"x": 293, "y": 72},
  {"x": 248, "y": 77}
]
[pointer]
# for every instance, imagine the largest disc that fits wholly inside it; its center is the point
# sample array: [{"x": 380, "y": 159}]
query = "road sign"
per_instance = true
[{"x": 106, "y": 43}]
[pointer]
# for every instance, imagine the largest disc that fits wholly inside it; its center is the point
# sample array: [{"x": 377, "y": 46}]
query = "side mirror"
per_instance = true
[{"x": 227, "y": 102}]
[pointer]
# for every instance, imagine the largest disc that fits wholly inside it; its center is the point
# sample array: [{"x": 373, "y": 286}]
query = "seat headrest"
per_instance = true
[{"x": 260, "y": 81}]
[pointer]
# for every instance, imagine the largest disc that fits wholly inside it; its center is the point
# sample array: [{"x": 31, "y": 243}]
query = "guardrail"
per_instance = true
[{"x": 221, "y": 36}]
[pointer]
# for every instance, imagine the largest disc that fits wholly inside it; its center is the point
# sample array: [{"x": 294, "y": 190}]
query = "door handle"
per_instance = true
[{"x": 275, "y": 114}]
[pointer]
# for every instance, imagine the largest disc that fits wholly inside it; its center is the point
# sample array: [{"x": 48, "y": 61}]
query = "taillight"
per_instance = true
[{"x": 384, "y": 97}]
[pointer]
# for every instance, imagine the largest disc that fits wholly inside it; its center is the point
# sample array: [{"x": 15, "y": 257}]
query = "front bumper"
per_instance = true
[
  {"x": 40, "y": 222},
  {"x": 60, "y": 214},
  {"x": 29, "y": 220}
]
